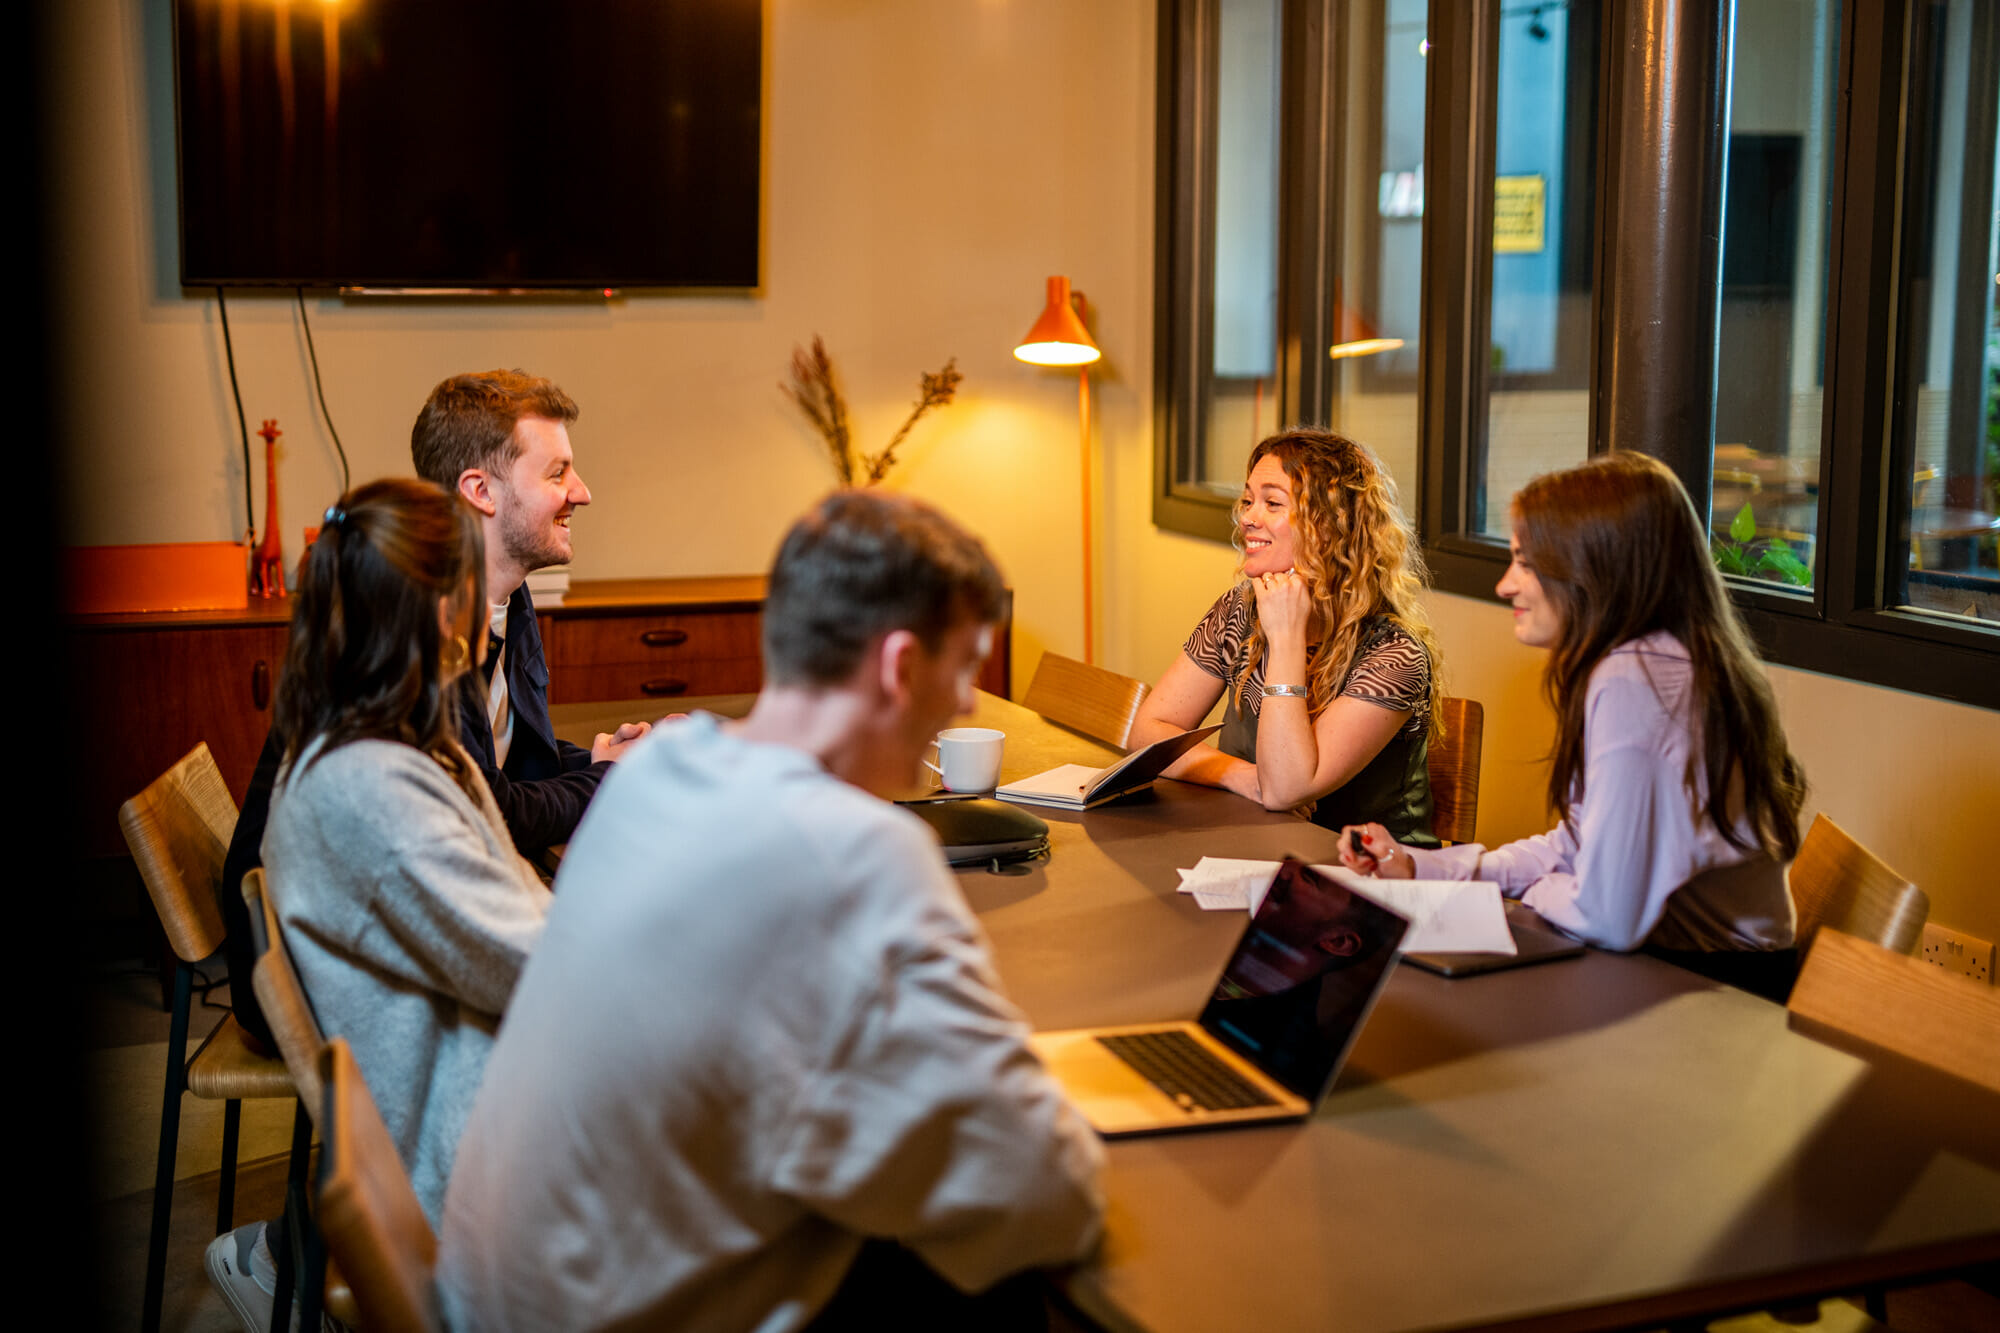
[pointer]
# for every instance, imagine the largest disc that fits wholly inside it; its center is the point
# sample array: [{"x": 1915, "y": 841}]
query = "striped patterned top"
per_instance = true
[{"x": 1391, "y": 670}]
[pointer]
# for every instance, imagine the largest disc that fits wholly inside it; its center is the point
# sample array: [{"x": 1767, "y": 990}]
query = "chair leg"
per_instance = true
[
  {"x": 225, "y": 1194},
  {"x": 294, "y": 1255},
  {"x": 170, "y": 1136},
  {"x": 312, "y": 1281}
]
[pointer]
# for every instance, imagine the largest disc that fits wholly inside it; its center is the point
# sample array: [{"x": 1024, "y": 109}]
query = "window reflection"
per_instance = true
[
  {"x": 1242, "y": 406},
  {"x": 1764, "y": 514},
  {"x": 1378, "y": 295},
  {"x": 1950, "y": 442},
  {"x": 1540, "y": 295}
]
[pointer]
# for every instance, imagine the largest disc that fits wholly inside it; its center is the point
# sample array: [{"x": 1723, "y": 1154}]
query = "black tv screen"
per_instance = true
[{"x": 470, "y": 143}]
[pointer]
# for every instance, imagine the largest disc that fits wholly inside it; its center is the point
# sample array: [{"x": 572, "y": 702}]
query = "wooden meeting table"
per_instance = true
[{"x": 1606, "y": 1142}]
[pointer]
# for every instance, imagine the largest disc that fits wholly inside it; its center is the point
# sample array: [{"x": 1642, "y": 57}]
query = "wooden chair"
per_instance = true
[
  {"x": 1837, "y": 882},
  {"x": 178, "y": 829},
  {"x": 374, "y": 1226},
  {"x": 1454, "y": 768},
  {"x": 294, "y": 1025},
  {"x": 1865, "y": 993},
  {"x": 1099, "y": 703},
  {"x": 296, "y": 1029}
]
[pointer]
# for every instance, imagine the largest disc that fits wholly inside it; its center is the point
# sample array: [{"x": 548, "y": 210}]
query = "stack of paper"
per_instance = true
[{"x": 1446, "y": 916}]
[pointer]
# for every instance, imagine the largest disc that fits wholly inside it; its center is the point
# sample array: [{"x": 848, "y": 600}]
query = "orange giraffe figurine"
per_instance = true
[{"x": 267, "y": 562}]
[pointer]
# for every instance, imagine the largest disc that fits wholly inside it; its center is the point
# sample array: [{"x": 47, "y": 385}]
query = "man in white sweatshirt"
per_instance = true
[{"x": 762, "y": 1027}]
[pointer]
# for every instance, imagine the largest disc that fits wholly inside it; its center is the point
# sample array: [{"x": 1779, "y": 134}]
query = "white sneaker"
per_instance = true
[{"x": 232, "y": 1271}]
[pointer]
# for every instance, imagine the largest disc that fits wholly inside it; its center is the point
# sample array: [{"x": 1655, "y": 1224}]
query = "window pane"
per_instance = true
[
  {"x": 1951, "y": 444},
  {"x": 1376, "y": 302},
  {"x": 1764, "y": 514},
  {"x": 1538, "y": 385},
  {"x": 1242, "y": 406}
]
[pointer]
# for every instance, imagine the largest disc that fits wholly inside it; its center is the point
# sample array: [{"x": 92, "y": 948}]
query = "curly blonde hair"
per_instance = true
[{"x": 1356, "y": 552}]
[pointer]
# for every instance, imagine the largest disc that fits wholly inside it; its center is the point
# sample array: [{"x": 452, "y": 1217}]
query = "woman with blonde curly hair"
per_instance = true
[{"x": 1322, "y": 648}]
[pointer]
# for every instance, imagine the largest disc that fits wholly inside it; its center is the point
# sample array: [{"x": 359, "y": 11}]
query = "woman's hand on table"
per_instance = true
[{"x": 1367, "y": 849}]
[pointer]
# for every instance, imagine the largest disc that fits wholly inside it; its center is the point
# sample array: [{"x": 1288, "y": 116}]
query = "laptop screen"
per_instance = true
[{"x": 1303, "y": 978}]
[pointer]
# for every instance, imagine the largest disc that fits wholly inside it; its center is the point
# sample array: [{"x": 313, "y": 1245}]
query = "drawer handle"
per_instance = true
[
  {"x": 663, "y": 685},
  {"x": 260, "y": 685},
  {"x": 664, "y": 638}
]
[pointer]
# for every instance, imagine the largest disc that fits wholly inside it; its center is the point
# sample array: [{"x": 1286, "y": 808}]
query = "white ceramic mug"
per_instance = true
[{"x": 968, "y": 758}]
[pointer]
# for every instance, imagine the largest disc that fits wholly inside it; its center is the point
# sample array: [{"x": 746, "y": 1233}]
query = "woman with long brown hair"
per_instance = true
[
  {"x": 1677, "y": 797},
  {"x": 408, "y": 910},
  {"x": 408, "y": 913},
  {"x": 1322, "y": 648}
]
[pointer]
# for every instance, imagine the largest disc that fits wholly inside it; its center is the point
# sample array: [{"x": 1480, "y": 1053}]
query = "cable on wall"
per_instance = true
[
  {"x": 242, "y": 426},
  {"x": 320, "y": 389}
]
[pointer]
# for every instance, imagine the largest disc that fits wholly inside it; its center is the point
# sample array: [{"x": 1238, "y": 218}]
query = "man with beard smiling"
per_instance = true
[{"x": 500, "y": 438}]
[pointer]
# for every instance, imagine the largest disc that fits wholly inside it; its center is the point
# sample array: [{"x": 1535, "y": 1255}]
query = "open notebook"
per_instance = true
[{"x": 1079, "y": 786}]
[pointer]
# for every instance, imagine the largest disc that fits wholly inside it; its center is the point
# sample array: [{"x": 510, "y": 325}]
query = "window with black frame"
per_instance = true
[
  {"x": 1771, "y": 326},
  {"x": 1757, "y": 238},
  {"x": 1290, "y": 244},
  {"x": 1538, "y": 345},
  {"x": 1947, "y": 445}
]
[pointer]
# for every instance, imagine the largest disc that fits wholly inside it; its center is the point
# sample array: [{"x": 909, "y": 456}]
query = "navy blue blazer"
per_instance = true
[{"x": 546, "y": 783}]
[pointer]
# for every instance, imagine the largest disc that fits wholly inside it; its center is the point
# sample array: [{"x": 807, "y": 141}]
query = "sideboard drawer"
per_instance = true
[
  {"x": 663, "y": 656},
  {"x": 667, "y": 682},
  {"x": 698, "y": 636}
]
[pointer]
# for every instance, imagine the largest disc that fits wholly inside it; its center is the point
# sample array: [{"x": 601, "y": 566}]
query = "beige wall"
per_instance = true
[{"x": 929, "y": 164}]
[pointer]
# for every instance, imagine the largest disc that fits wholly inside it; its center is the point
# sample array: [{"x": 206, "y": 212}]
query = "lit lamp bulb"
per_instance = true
[
  {"x": 1058, "y": 337},
  {"x": 1353, "y": 335}
]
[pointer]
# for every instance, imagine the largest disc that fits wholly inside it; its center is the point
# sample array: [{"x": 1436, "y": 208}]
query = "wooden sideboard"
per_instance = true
[{"x": 150, "y": 685}]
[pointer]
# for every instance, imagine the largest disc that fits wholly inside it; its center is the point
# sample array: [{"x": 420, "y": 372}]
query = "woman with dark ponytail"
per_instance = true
[
  {"x": 407, "y": 909},
  {"x": 1677, "y": 796}
]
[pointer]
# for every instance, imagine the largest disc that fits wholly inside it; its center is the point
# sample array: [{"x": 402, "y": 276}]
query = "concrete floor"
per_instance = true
[{"x": 124, "y": 1066}]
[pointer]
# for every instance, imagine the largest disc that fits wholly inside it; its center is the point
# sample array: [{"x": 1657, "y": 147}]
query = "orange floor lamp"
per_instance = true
[{"x": 1060, "y": 339}]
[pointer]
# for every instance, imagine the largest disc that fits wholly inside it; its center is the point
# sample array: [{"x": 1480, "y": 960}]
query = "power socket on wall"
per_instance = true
[{"x": 1956, "y": 951}]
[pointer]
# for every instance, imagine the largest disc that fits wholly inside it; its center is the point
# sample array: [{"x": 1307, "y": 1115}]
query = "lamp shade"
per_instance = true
[{"x": 1058, "y": 337}]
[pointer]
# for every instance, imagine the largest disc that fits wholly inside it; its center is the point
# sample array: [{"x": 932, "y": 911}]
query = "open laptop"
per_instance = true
[{"x": 1283, "y": 1016}]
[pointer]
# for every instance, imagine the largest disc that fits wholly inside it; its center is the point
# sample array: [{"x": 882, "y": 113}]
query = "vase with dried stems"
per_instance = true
[{"x": 814, "y": 387}]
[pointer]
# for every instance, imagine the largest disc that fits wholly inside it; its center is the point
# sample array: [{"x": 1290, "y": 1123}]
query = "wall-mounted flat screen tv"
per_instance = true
[{"x": 484, "y": 144}]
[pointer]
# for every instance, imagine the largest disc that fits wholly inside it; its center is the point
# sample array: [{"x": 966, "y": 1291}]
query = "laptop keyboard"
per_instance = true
[{"x": 1185, "y": 1070}]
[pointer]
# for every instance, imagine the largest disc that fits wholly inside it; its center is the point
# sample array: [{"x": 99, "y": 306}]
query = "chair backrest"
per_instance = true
[
  {"x": 1099, "y": 703},
  {"x": 368, "y": 1211},
  {"x": 1454, "y": 768},
  {"x": 179, "y": 830},
  {"x": 1864, "y": 992},
  {"x": 289, "y": 1013},
  {"x": 1837, "y": 882}
]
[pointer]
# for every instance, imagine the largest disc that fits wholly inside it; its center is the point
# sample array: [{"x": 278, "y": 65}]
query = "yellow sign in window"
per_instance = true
[{"x": 1519, "y": 214}]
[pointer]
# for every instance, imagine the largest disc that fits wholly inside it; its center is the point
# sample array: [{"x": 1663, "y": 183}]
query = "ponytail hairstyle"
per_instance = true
[
  {"x": 1354, "y": 548},
  {"x": 366, "y": 660},
  {"x": 1621, "y": 553}
]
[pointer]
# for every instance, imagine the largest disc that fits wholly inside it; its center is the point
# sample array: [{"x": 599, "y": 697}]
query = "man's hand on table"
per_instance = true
[{"x": 613, "y": 745}]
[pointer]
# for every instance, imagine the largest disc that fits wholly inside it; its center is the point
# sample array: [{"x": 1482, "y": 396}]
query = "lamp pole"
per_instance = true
[{"x": 1059, "y": 338}]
